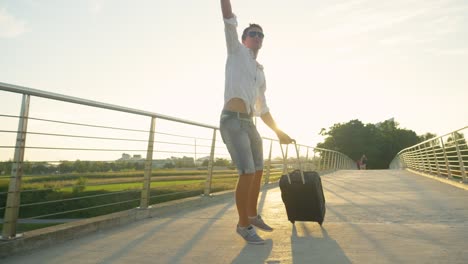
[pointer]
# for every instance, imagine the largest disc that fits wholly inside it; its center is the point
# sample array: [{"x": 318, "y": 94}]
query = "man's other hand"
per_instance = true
[{"x": 284, "y": 138}]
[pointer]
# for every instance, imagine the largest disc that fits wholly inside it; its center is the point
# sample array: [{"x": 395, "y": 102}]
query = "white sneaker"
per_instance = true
[
  {"x": 258, "y": 222},
  {"x": 250, "y": 235}
]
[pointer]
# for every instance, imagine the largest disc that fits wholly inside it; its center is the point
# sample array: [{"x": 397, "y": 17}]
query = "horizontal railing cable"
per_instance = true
[
  {"x": 77, "y": 185},
  {"x": 81, "y": 124},
  {"x": 76, "y": 136},
  {"x": 105, "y": 138},
  {"x": 82, "y": 209},
  {"x": 100, "y": 149},
  {"x": 79, "y": 198}
]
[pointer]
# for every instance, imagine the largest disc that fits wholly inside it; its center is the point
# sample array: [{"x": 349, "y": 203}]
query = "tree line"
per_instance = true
[
  {"x": 379, "y": 142},
  {"x": 79, "y": 166}
]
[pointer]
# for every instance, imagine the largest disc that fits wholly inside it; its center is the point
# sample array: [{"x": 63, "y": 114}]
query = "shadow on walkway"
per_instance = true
[
  {"x": 312, "y": 247},
  {"x": 150, "y": 234}
]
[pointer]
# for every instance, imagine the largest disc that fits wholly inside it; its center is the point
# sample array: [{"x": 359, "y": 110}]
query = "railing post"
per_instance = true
[
  {"x": 335, "y": 162},
  {"x": 313, "y": 162},
  {"x": 436, "y": 159},
  {"x": 416, "y": 160},
  {"x": 324, "y": 162},
  {"x": 427, "y": 159},
  {"x": 332, "y": 157},
  {"x": 301, "y": 164},
  {"x": 460, "y": 159},
  {"x": 323, "y": 159},
  {"x": 407, "y": 160},
  {"x": 307, "y": 160},
  {"x": 14, "y": 188},
  {"x": 341, "y": 159},
  {"x": 403, "y": 160},
  {"x": 195, "y": 154},
  {"x": 401, "y": 157},
  {"x": 338, "y": 161},
  {"x": 285, "y": 160},
  {"x": 268, "y": 165},
  {"x": 447, "y": 165},
  {"x": 421, "y": 160},
  {"x": 412, "y": 159},
  {"x": 339, "y": 165},
  {"x": 209, "y": 177},
  {"x": 146, "y": 191}
]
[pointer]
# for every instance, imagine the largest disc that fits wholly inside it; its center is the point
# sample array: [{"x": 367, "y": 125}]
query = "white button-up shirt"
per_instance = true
[{"x": 245, "y": 78}]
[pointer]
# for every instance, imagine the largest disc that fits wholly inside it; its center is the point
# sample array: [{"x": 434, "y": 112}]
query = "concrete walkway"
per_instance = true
[{"x": 372, "y": 217}]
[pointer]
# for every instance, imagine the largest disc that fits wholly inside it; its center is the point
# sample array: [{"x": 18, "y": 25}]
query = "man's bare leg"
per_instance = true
[
  {"x": 254, "y": 218},
  {"x": 253, "y": 193},
  {"x": 243, "y": 188}
]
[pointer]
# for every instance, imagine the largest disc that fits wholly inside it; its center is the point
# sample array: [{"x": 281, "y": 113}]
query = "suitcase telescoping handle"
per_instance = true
[{"x": 285, "y": 170}]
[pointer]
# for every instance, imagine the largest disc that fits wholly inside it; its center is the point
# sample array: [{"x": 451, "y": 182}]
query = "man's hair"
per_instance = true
[{"x": 244, "y": 34}]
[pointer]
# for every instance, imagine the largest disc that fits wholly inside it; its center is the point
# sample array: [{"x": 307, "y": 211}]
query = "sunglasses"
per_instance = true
[{"x": 252, "y": 34}]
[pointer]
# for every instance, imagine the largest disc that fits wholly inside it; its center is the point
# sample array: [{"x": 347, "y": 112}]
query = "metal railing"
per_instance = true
[
  {"x": 445, "y": 156},
  {"x": 112, "y": 185}
]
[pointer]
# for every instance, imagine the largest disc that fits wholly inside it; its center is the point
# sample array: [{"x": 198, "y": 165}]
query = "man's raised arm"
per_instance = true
[{"x": 226, "y": 8}]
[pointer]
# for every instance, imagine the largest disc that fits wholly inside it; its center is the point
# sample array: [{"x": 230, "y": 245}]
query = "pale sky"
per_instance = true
[{"x": 326, "y": 62}]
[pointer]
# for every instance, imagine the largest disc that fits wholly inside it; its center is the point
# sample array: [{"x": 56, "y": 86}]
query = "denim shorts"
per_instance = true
[{"x": 243, "y": 142}]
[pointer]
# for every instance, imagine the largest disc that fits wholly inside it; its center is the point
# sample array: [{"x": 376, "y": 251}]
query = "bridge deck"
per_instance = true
[{"x": 372, "y": 217}]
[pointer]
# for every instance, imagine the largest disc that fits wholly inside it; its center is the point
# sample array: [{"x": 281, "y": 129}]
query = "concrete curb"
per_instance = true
[
  {"x": 458, "y": 184},
  {"x": 53, "y": 235}
]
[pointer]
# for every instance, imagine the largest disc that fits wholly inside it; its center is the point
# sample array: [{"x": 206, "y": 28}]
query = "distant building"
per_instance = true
[
  {"x": 128, "y": 157},
  {"x": 157, "y": 163},
  {"x": 125, "y": 156}
]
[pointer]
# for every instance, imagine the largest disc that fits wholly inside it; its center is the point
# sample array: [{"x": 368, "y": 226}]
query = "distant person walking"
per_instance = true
[
  {"x": 363, "y": 162},
  {"x": 244, "y": 97}
]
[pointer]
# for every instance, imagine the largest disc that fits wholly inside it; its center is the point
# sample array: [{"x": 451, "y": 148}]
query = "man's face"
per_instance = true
[{"x": 254, "y": 38}]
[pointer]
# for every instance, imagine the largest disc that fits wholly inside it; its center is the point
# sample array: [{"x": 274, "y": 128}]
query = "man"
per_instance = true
[{"x": 244, "y": 96}]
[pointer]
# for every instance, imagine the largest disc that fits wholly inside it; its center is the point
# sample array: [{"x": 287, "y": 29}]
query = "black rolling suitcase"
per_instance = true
[{"x": 303, "y": 195}]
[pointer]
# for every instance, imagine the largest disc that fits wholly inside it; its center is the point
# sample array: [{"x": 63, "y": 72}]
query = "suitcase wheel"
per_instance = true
[
  {"x": 292, "y": 221},
  {"x": 320, "y": 223}
]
